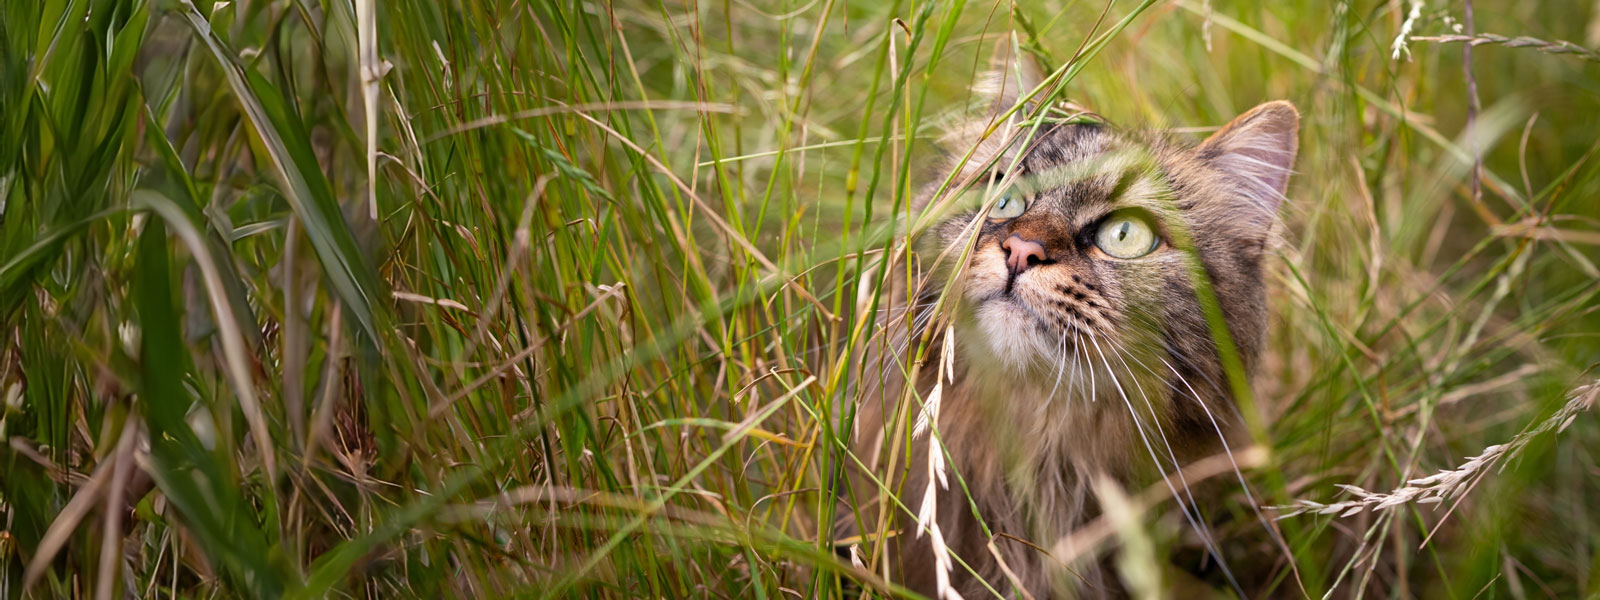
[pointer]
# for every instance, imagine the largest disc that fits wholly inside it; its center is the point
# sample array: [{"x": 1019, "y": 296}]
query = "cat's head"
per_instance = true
[{"x": 1081, "y": 240}]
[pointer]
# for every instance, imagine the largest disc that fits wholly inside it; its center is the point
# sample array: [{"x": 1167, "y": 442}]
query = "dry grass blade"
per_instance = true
[
  {"x": 111, "y": 551},
  {"x": 1088, "y": 538},
  {"x": 62, "y": 528},
  {"x": 1136, "y": 563}
]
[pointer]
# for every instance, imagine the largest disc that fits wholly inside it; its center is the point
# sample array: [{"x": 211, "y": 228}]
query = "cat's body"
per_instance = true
[{"x": 1081, "y": 347}]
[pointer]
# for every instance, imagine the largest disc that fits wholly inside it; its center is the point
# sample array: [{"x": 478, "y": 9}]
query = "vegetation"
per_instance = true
[{"x": 557, "y": 298}]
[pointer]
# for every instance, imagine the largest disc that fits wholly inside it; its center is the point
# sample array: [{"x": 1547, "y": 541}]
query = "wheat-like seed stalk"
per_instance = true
[
  {"x": 1399, "y": 47},
  {"x": 927, "y": 513},
  {"x": 1521, "y": 41},
  {"x": 1453, "y": 483}
]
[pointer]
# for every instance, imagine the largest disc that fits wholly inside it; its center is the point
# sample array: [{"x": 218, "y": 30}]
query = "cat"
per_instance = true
[{"x": 1081, "y": 349}]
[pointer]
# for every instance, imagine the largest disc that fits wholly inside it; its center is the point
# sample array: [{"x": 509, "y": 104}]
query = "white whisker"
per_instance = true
[
  {"x": 1198, "y": 522},
  {"x": 1244, "y": 485},
  {"x": 1150, "y": 448},
  {"x": 1061, "y": 369}
]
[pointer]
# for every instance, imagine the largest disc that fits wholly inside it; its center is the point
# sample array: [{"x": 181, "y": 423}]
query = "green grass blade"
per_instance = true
[{"x": 305, "y": 185}]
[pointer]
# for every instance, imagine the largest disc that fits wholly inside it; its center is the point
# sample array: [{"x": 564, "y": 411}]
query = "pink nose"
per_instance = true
[{"x": 1021, "y": 253}]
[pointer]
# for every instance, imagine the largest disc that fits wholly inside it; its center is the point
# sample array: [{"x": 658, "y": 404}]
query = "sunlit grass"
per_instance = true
[{"x": 602, "y": 336}]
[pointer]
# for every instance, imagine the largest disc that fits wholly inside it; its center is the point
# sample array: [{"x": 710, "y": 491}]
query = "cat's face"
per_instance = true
[{"x": 1084, "y": 248}]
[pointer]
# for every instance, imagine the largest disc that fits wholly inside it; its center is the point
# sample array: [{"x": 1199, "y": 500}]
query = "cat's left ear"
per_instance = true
[{"x": 1256, "y": 151}]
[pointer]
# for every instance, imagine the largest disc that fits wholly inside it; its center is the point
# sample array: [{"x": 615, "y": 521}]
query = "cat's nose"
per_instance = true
[{"x": 1021, "y": 253}]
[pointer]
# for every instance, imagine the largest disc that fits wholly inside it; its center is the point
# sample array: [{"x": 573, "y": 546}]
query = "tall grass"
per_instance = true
[{"x": 558, "y": 298}]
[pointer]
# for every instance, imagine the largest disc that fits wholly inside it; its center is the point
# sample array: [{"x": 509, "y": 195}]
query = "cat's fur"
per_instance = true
[{"x": 1057, "y": 368}]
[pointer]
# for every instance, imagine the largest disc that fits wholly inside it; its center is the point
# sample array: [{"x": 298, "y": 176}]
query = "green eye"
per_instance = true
[
  {"x": 1009, "y": 206},
  {"x": 1126, "y": 236}
]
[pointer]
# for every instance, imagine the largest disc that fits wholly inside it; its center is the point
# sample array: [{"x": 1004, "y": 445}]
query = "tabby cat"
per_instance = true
[{"x": 1071, "y": 277}]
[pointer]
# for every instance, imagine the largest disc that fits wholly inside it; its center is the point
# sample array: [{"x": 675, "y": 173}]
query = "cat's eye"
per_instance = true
[
  {"x": 1126, "y": 235},
  {"x": 1010, "y": 205}
]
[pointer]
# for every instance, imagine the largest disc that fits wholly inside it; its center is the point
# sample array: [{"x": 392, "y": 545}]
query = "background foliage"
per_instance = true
[{"x": 556, "y": 298}]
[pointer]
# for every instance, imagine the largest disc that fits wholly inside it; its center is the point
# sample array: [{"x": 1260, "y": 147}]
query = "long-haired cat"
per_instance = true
[{"x": 1072, "y": 274}]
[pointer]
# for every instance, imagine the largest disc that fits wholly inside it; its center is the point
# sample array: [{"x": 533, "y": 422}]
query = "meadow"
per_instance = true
[{"x": 551, "y": 298}]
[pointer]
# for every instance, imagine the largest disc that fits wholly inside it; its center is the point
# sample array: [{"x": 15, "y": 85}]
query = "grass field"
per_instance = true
[{"x": 552, "y": 298}]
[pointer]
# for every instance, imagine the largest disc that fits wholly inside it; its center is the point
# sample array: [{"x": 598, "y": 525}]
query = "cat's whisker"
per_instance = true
[
  {"x": 1144, "y": 437},
  {"x": 888, "y": 326},
  {"x": 1094, "y": 393},
  {"x": 1197, "y": 522},
  {"x": 1061, "y": 369},
  {"x": 1150, "y": 326},
  {"x": 908, "y": 307},
  {"x": 1204, "y": 407},
  {"x": 1069, "y": 362},
  {"x": 1215, "y": 426},
  {"x": 1239, "y": 474},
  {"x": 923, "y": 318},
  {"x": 1173, "y": 352},
  {"x": 1121, "y": 355},
  {"x": 1078, "y": 363}
]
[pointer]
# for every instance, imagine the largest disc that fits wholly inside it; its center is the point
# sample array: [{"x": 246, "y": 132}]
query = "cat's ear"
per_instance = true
[
  {"x": 1013, "y": 74},
  {"x": 1256, "y": 151}
]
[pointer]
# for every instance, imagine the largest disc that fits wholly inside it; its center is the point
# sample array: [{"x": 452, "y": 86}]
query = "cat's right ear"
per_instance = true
[
  {"x": 1256, "y": 151},
  {"x": 1013, "y": 75}
]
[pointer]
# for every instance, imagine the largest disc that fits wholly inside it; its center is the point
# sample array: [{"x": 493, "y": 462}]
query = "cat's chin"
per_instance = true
[{"x": 1015, "y": 338}]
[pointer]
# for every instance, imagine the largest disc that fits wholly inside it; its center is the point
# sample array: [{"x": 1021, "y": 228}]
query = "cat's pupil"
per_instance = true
[{"x": 1122, "y": 232}]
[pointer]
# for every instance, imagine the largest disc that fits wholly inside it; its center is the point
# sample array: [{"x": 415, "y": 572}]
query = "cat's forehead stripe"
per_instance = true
[
  {"x": 1067, "y": 143},
  {"x": 1101, "y": 176}
]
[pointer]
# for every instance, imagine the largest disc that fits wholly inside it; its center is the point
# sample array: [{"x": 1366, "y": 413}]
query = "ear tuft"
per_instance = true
[{"x": 1257, "y": 150}]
